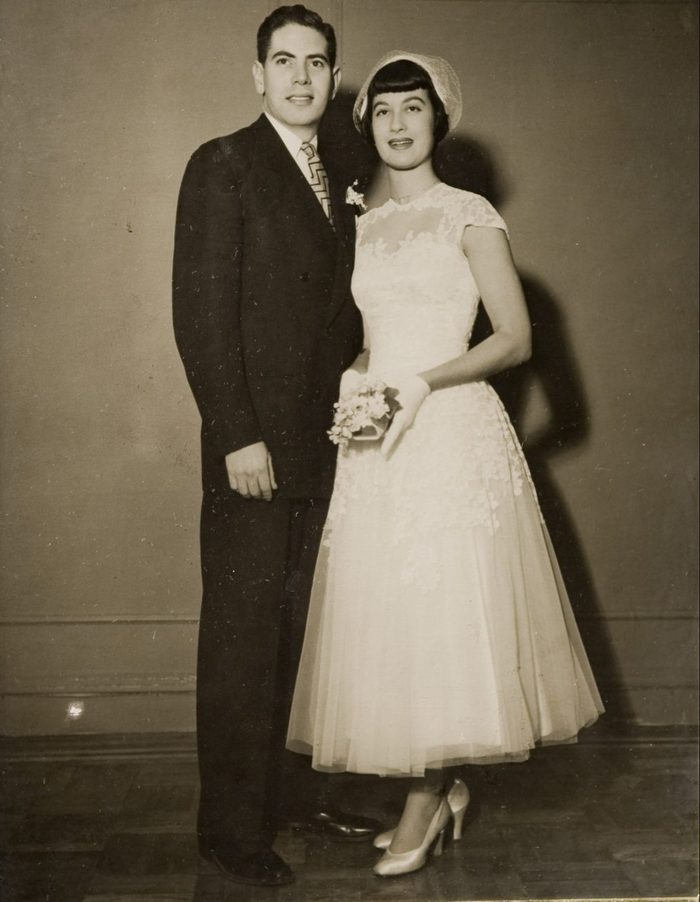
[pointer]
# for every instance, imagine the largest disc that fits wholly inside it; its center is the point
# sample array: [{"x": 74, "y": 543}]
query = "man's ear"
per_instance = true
[
  {"x": 259, "y": 77},
  {"x": 337, "y": 78}
]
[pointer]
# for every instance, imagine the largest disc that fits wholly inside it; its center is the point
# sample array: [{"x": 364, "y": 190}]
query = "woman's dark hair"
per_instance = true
[
  {"x": 294, "y": 15},
  {"x": 399, "y": 76}
]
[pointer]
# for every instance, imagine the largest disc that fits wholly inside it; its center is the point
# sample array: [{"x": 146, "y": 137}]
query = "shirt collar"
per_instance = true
[{"x": 291, "y": 141}]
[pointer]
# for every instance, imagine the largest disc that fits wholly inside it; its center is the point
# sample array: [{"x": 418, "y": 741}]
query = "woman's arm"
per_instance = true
[
  {"x": 354, "y": 374},
  {"x": 493, "y": 269},
  {"x": 361, "y": 362}
]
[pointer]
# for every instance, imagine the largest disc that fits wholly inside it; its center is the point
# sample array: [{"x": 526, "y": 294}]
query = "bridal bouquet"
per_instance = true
[{"x": 365, "y": 414}]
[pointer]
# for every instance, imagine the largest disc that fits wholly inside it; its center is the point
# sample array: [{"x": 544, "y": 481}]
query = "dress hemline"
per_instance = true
[{"x": 303, "y": 748}]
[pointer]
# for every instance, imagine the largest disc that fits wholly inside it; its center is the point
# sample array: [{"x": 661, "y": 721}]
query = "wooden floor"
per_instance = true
[{"x": 595, "y": 820}]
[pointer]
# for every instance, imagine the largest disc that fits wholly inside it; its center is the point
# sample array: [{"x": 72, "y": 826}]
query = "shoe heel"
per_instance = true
[
  {"x": 458, "y": 799},
  {"x": 458, "y": 823},
  {"x": 439, "y": 844}
]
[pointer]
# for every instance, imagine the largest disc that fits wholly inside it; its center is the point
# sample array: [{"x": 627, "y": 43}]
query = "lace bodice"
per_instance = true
[{"x": 413, "y": 282}]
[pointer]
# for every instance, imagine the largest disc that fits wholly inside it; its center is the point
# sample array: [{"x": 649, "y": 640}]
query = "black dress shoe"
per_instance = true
[
  {"x": 340, "y": 826},
  {"x": 263, "y": 868}
]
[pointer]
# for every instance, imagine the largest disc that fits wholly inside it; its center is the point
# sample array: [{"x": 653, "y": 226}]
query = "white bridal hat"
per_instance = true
[{"x": 442, "y": 75}]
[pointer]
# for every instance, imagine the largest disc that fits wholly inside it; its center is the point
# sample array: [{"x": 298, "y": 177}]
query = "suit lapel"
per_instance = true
[
  {"x": 290, "y": 191},
  {"x": 287, "y": 181},
  {"x": 342, "y": 213},
  {"x": 344, "y": 218}
]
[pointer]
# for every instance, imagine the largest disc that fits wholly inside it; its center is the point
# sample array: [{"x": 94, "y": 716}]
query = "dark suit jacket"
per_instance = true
[{"x": 263, "y": 316}]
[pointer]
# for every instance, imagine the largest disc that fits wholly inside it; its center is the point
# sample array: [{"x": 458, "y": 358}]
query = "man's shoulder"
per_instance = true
[{"x": 237, "y": 149}]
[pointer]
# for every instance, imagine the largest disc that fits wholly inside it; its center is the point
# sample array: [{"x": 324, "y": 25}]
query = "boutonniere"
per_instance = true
[{"x": 355, "y": 198}]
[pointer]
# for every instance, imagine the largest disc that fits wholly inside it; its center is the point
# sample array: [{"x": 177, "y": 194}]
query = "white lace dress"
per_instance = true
[{"x": 439, "y": 629}]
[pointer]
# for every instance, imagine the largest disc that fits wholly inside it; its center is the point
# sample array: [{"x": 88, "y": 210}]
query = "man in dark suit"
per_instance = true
[{"x": 265, "y": 325}]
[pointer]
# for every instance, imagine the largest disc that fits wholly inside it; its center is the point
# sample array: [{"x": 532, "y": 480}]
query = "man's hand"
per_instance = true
[{"x": 250, "y": 471}]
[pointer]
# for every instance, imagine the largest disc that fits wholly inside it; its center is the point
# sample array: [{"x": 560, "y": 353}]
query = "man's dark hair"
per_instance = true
[
  {"x": 294, "y": 15},
  {"x": 399, "y": 76}
]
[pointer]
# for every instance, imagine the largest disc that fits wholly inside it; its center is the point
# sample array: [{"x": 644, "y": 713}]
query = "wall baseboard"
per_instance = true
[
  {"x": 165, "y": 705},
  {"x": 183, "y": 746},
  {"x": 135, "y": 677},
  {"x": 99, "y": 746}
]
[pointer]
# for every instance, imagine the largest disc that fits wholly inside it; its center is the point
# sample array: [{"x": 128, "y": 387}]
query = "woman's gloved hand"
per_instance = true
[{"x": 411, "y": 392}]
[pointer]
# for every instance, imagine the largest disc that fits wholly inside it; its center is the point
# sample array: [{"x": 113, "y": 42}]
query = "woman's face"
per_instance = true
[{"x": 402, "y": 126}]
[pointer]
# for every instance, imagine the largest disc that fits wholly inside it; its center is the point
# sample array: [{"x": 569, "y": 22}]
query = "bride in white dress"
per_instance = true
[{"x": 439, "y": 630}]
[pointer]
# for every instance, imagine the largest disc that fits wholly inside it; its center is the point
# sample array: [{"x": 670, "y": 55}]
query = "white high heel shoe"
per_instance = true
[
  {"x": 458, "y": 800},
  {"x": 393, "y": 864}
]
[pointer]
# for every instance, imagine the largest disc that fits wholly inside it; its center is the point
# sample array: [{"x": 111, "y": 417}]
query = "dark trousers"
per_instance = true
[{"x": 258, "y": 560}]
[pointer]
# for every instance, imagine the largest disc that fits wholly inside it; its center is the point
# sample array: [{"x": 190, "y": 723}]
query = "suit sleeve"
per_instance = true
[{"x": 207, "y": 299}]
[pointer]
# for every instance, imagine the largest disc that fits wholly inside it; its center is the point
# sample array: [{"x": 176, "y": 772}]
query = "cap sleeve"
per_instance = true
[{"x": 477, "y": 211}]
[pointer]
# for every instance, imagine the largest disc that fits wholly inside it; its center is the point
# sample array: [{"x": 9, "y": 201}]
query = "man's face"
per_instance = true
[{"x": 296, "y": 79}]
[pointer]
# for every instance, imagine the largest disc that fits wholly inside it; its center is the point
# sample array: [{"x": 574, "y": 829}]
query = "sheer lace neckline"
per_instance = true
[
  {"x": 414, "y": 198},
  {"x": 421, "y": 200}
]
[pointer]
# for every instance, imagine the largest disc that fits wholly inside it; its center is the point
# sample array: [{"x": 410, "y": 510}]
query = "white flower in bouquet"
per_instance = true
[{"x": 363, "y": 415}]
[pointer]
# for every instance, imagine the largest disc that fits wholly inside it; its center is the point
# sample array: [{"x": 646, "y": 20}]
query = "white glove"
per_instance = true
[
  {"x": 411, "y": 392},
  {"x": 349, "y": 382}
]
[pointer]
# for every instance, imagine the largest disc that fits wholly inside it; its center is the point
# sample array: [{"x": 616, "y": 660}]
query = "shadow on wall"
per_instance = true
[
  {"x": 467, "y": 164},
  {"x": 553, "y": 368},
  {"x": 345, "y": 153}
]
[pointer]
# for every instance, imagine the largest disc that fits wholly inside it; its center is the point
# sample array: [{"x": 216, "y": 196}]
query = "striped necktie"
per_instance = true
[{"x": 319, "y": 179}]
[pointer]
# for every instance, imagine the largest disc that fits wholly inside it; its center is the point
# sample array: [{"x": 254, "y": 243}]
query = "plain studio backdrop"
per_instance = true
[{"x": 579, "y": 124}]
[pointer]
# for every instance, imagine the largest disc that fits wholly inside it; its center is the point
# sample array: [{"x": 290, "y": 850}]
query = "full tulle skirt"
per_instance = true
[{"x": 439, "y": 628}]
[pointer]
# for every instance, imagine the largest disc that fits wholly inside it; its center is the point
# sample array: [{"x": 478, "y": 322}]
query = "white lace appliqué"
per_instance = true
[{"x": 459, "y": 467}]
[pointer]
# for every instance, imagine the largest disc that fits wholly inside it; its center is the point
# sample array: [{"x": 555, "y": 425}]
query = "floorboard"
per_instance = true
[{"x": 589, "y": 821}]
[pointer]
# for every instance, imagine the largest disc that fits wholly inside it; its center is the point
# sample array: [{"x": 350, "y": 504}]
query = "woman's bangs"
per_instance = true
[{"x": 400, "y": 76}]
